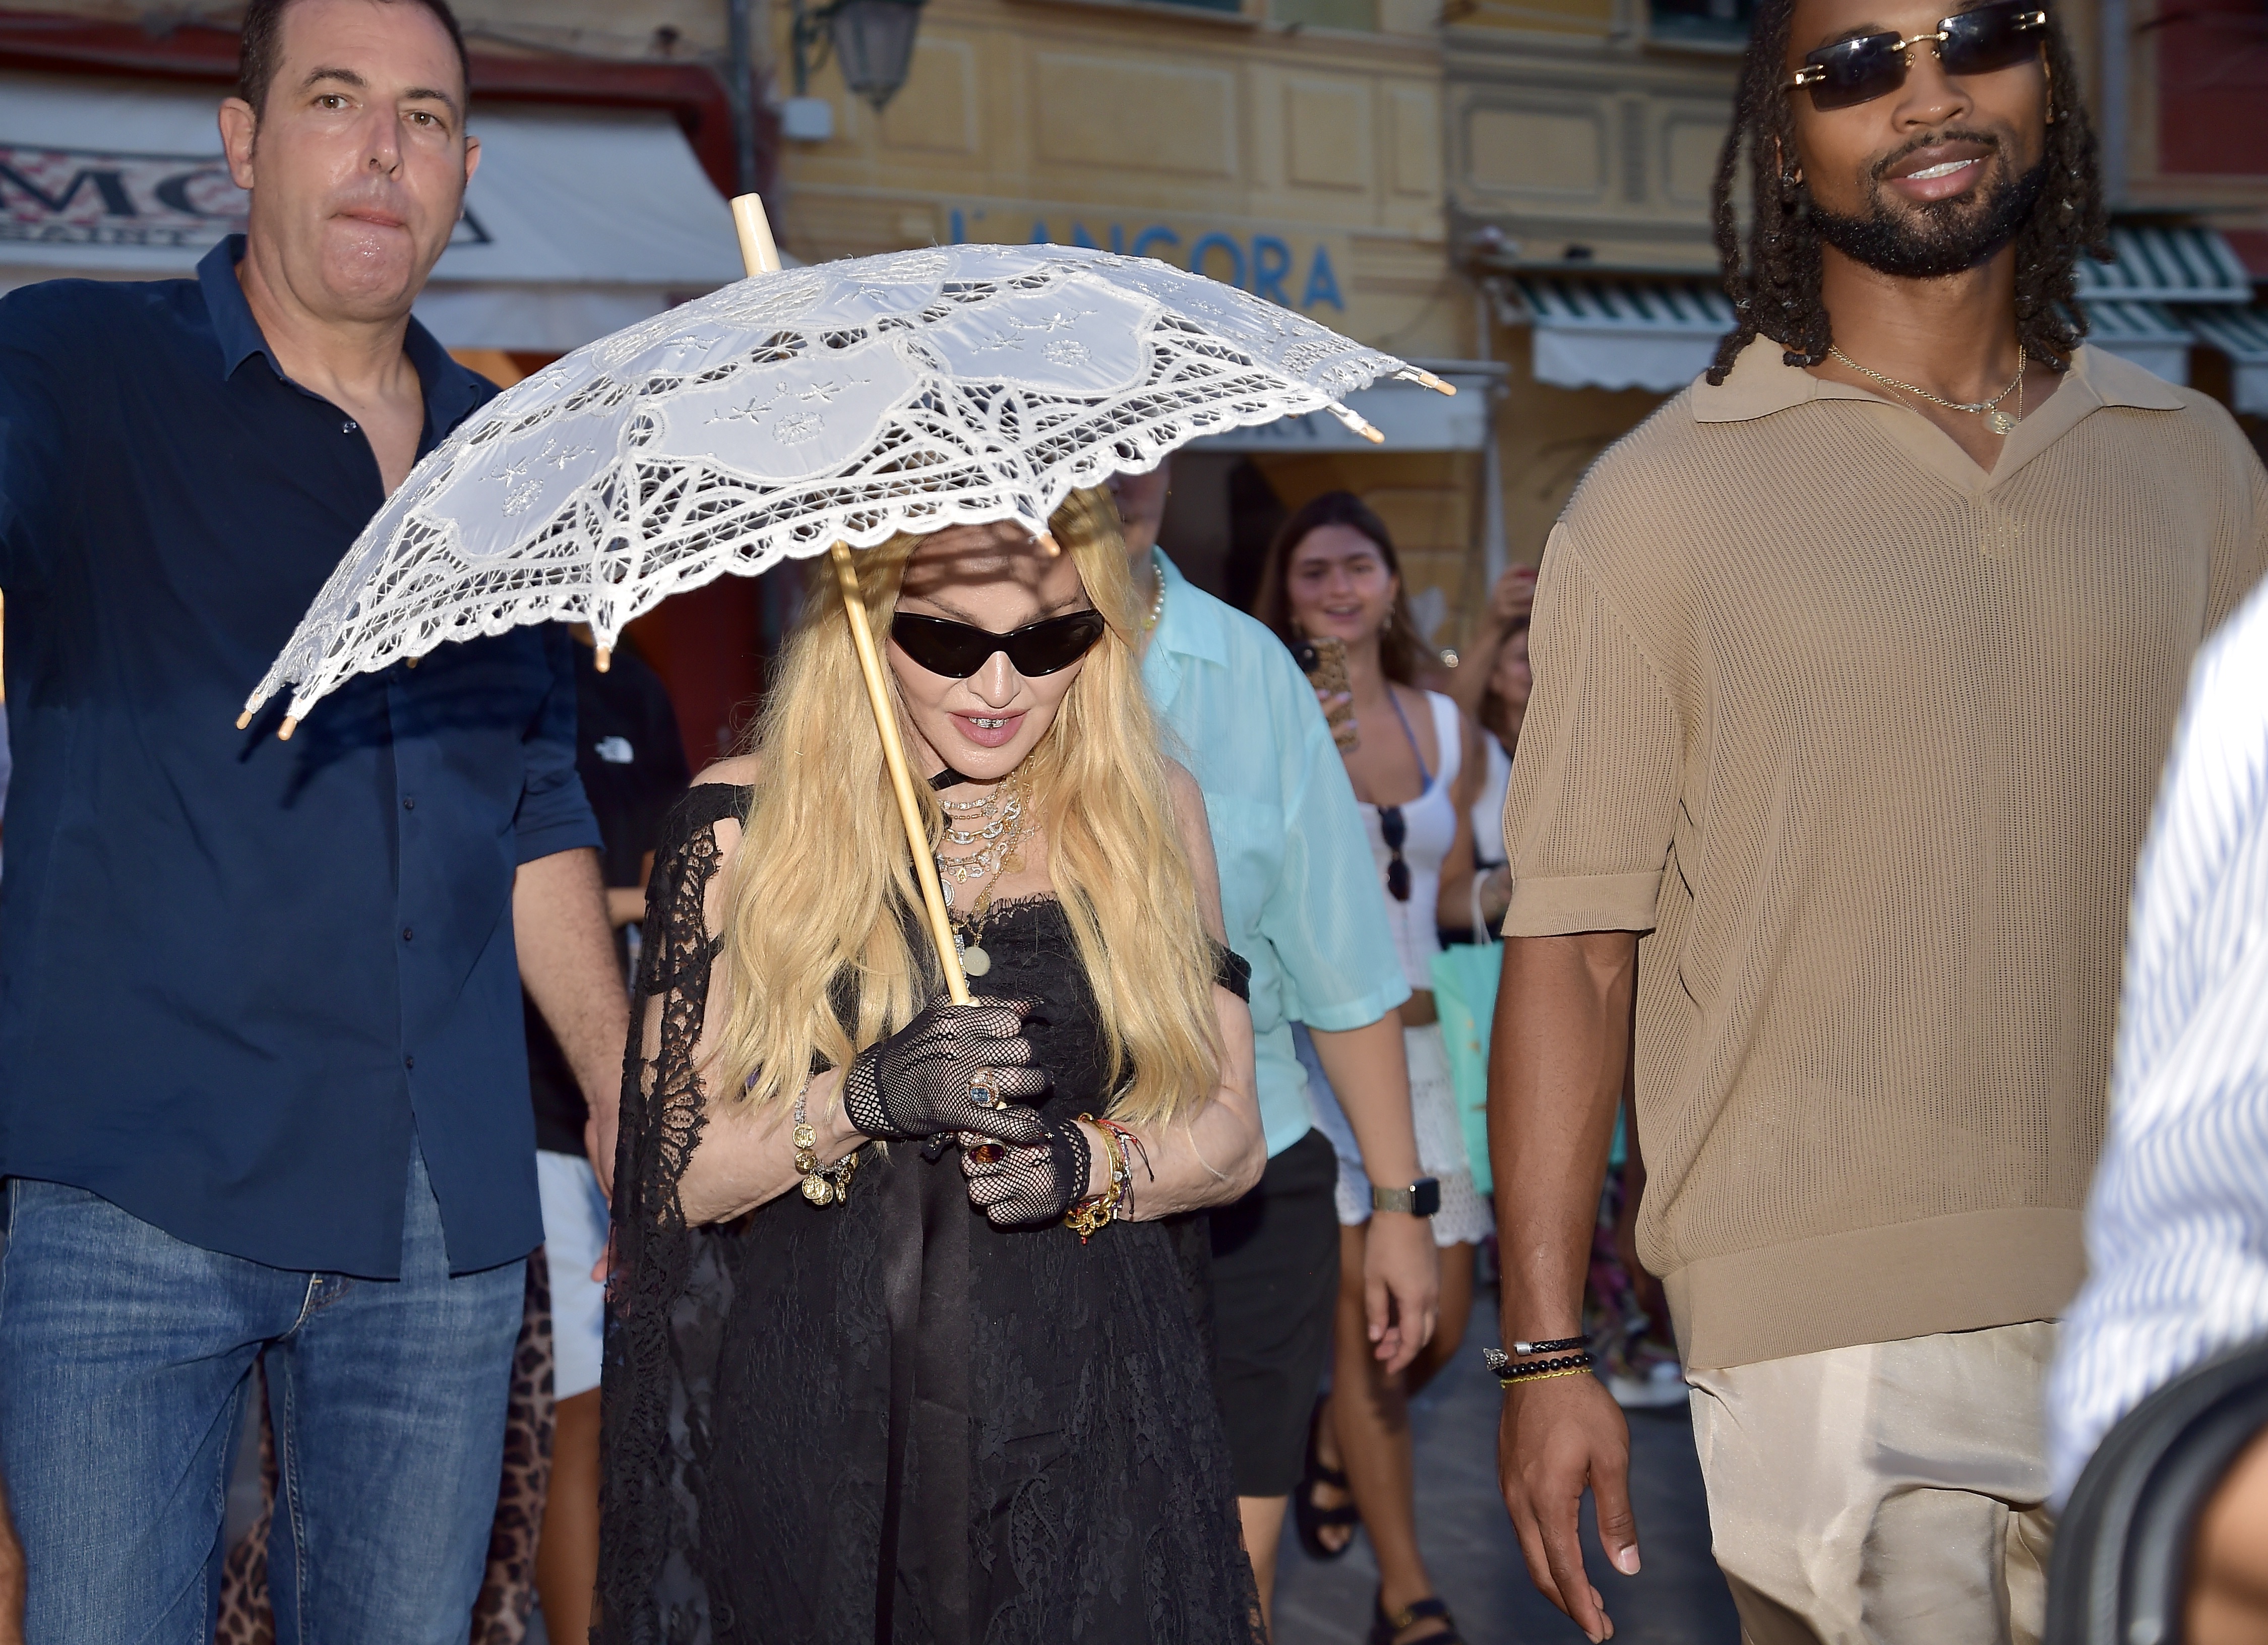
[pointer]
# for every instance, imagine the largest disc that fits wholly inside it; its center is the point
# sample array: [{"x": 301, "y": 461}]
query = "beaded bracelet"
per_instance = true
[{"x": 1534, "y": 1370}]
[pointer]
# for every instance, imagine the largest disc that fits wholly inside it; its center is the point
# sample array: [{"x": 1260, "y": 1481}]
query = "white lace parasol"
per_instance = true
[{"x": 793, "y": 411}]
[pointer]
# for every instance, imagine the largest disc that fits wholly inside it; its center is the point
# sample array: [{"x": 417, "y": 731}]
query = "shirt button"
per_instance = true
[
  {"x": 348, "y": 427},
  {"x": 410, "y": 802},
  {"x": 408, "y": 1062},
  {"x": 409, "y": 936}
]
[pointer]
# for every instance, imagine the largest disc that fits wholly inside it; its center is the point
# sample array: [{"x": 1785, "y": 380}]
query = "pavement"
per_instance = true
[{"x": 1677, "y": 1599}]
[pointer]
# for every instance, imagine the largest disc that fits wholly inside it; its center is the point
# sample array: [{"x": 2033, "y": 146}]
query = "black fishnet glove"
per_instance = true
[
  {"x": 921, "y": 1081},
  {"x": 1028, "y": 1186}
]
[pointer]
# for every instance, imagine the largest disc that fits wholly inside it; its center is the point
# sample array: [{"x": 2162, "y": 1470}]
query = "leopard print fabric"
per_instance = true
[
  {"x": 508, "y": 1589},
  {"x": 507, "y": 1597}
]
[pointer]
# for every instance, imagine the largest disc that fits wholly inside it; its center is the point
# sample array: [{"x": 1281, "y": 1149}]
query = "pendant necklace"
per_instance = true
[
  {"x": 1999, "y": 420},
  {"x": 997, "y": 842}
]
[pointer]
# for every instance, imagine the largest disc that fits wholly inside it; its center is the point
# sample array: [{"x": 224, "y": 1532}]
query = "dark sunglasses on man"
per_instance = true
[
  {"x": 957, "y": 650},
  {"x": 1982, "y": 41}
]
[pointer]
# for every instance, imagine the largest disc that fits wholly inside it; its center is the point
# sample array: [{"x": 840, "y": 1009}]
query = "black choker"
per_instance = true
[{"x": 947, "y": 778}]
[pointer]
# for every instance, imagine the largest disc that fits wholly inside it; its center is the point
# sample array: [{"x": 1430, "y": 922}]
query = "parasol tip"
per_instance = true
[
  {"x": 1047, "y": 540},
  {"x": 290, "y": 723},
  {"x": 759, "y": 252},
  {"x": 1427, "y": 379},
  {"x": 244, "y": 720},
  {"x": 1355, "y": 422},
  {"x": 605, "y": 659}
]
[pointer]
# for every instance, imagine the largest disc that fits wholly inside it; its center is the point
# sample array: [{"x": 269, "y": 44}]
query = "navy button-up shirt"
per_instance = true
[{"x": 240, "y": 978}]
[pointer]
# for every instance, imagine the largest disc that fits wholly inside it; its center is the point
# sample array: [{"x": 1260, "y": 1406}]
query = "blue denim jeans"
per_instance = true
[{"x": 125, "y": 1357}]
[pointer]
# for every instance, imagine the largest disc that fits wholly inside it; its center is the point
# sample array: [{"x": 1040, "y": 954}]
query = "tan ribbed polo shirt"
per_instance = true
[{"x": 1866, "y": 739}]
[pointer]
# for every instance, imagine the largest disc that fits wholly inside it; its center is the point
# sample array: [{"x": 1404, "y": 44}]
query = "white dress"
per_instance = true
[{"x": 1430, "y": 826}]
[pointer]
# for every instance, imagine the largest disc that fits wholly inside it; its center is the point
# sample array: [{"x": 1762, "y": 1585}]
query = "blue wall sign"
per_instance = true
[{"x": 1263, "y": 264}]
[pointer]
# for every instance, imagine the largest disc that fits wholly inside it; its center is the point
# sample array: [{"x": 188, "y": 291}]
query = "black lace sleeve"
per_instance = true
[{"x": 650, "y": 1364}]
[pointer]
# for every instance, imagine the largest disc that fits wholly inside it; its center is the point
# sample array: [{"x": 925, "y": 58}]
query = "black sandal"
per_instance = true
[
  {"x": 1383, "y": 1631},
  {"x": 1310, "y": 1518}
]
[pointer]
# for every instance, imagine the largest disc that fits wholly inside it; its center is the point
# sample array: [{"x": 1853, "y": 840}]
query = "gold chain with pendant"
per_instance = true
[{"x": 1999, "y": 420}]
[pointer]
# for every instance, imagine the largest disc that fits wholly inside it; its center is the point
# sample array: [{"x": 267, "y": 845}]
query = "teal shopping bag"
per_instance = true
[{"x": 1465, "y": 979}]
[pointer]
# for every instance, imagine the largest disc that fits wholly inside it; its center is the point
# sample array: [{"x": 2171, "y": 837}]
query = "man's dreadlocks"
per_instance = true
[{"x": 1775, "y": 287}]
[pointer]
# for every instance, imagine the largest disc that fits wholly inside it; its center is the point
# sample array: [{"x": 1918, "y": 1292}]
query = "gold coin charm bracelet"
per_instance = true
[{"x": 831, "y": 1186}]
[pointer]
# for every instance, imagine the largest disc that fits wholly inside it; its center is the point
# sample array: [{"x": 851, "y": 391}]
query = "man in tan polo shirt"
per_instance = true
[{"x": 1854, "y": 667}]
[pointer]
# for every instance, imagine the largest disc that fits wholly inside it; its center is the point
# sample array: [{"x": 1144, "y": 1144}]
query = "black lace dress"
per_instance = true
[{"x": 888, "y": 1420}]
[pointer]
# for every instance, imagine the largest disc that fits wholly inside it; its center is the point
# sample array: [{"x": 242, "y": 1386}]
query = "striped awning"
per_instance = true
[
  {"x": 2148, "y": 333},
  {"x": 1622, "y": 334},
  {"x": 2241, "y": 334},
  {"x": 2170, "y": 289},
  {"x": 2166, "y": 265}
]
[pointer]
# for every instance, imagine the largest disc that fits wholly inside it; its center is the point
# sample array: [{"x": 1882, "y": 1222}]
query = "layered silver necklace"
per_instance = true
[{"x": 994, "y": 830}]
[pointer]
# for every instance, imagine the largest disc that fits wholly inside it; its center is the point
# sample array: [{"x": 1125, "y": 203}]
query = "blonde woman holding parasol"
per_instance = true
[{"x": 901, "y": 1348}]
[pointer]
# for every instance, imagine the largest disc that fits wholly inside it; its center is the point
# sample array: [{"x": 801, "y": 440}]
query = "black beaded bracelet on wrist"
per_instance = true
[{"x": 1508, "y": 1372}]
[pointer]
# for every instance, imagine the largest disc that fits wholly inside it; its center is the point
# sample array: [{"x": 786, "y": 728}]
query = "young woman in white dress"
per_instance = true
[{"x": 1416, "y": 768}]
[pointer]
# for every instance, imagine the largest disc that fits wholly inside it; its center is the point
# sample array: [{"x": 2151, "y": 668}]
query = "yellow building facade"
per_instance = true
[
  {"x": 1581, "y": 140},
  {"x": 1294, "y": 152}
]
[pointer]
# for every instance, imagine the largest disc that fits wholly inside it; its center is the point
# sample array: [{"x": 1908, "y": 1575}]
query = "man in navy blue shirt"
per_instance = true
[{"x": 262, "y": 1089}]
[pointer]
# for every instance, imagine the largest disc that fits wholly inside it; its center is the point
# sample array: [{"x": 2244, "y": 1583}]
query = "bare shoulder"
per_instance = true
[
  {"x": 741, "y": 771},
  {"x": 1196, "y": 842},
  {"x": 1189, "y": 803}
]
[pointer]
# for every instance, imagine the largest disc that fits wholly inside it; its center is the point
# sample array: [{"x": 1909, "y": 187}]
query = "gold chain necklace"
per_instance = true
[{"x": 1999, "y": 420}]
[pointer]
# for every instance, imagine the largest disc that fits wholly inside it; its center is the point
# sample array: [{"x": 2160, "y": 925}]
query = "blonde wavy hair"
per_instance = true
[{"x": 817, "y": 895}]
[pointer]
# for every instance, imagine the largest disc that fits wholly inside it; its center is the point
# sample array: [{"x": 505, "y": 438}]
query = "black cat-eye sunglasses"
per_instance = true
[{"x": 957, "y": 650}]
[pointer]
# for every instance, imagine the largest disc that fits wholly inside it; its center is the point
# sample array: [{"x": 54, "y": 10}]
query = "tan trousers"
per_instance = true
[{"x": 1890, "y": 1494}]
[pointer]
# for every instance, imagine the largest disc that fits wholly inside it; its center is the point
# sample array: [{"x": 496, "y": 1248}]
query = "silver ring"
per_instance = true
[{"x": 984, "y": 1091}]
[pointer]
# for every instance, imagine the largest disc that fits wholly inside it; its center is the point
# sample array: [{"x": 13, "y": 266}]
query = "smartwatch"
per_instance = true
[{"x": 1421, "y": 1198}]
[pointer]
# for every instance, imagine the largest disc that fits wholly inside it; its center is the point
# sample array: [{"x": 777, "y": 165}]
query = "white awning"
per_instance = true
[
  {"x": 1411, "y": 418},
  {"x": 2166, "y": 265},
  {"x": 1622, "y": 334},
  {"x": 2147, "y": 334},
  {"x": 580, "y": 221},
  {"x": 2241, "y": 334}
]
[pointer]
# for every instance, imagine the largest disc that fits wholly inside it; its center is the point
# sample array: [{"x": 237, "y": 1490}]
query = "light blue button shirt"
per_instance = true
[{"x": 1298, "y": 892}]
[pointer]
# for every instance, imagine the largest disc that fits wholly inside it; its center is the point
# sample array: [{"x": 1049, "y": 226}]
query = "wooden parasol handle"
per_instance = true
[
  {"x": 761, "y": 256},
  {"x": 902, "y": 781}
]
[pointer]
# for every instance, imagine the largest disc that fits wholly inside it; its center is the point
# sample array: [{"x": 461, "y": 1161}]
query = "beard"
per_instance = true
[{"x": 1937, "y": 238}]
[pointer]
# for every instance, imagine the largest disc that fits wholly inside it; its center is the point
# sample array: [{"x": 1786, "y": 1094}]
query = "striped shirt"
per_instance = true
[{"x": 2177, "y": 1223}]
